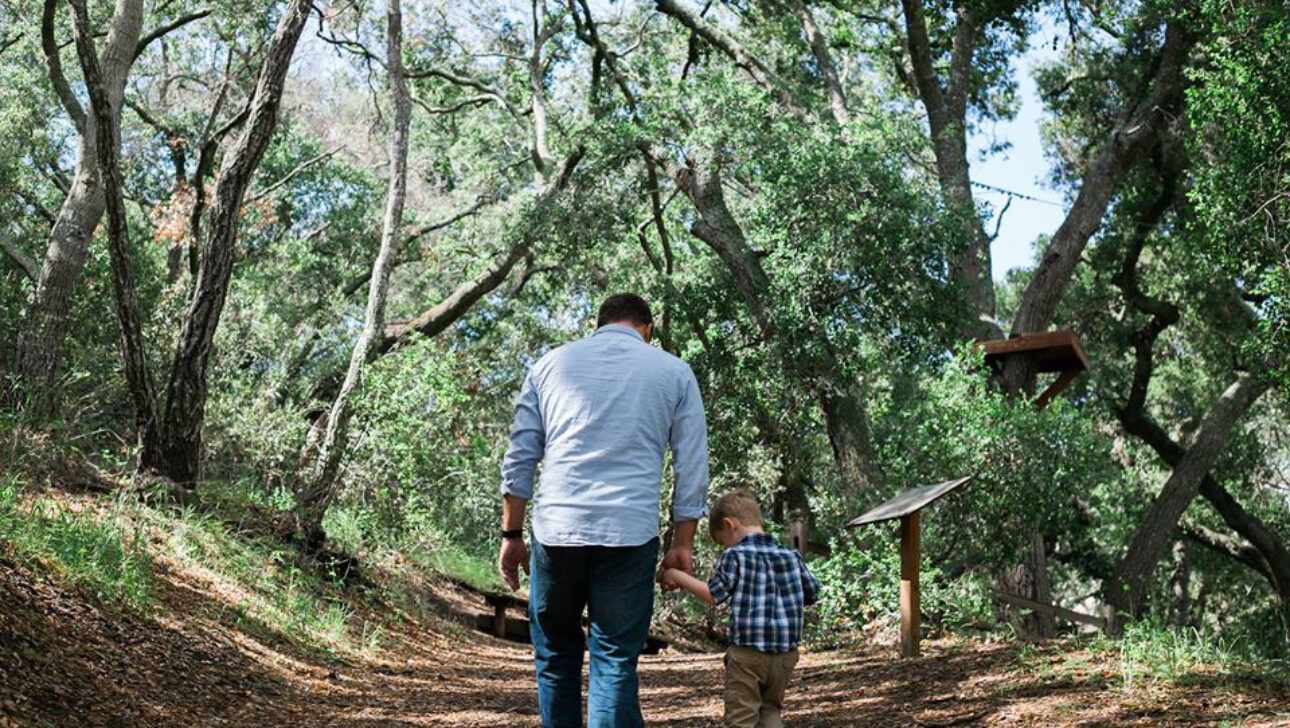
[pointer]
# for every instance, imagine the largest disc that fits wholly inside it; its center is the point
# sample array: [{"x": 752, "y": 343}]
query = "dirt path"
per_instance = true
[{"x": 65, "y": 661}]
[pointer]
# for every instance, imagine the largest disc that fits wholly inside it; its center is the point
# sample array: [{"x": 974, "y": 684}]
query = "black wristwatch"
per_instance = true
[{"x": 513, "y": 533}]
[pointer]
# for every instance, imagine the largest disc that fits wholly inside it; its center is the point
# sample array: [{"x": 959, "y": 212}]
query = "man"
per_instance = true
[{"x": 598, "y": 414}]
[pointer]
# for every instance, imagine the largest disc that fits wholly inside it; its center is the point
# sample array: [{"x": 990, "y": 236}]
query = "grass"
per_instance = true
[
  {"x": 112, "y": 548},
  {"x": 456, "y": 563},
  {"x": 102, "y": 552},
  {"x": 1152, "y": 653},
  {"x": 264, "y": 587}
]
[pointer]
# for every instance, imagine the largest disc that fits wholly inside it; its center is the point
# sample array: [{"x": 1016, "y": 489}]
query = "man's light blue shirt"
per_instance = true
[{"x": 598, "y": 413}]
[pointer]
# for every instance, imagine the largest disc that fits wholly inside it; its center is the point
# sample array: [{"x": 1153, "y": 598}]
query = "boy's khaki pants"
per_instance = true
[{"x": 755, "y": 684}]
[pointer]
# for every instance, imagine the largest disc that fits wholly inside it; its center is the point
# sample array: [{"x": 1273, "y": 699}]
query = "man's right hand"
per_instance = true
[{"x": 513, "y": 556}]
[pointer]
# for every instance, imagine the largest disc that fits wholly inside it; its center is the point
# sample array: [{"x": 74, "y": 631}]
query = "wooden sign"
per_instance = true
[{"x": 906, "y": 506}]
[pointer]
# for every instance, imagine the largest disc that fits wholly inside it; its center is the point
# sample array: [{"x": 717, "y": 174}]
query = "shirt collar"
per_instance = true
[
  {"x": 762, "y": 538},
  {"x": 619, "y": 329}
]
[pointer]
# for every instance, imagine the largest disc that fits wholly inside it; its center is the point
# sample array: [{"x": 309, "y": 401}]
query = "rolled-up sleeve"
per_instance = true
[
  {"x": 689, "y": 443},
  {"x": 810, "y": 585},
  {"x": 724, "y": 578},
  {"x": 527, "y": 443}
]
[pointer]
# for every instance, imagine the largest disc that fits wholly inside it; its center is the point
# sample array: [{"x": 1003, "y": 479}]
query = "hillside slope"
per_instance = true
[{"x": 67, "y": 660}]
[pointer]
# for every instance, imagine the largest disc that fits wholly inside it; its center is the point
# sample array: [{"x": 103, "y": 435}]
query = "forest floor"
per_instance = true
[{"x": 196, "y": 656}]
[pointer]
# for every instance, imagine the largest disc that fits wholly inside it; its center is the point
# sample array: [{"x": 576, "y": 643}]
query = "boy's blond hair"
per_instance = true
[{"x": 739, "y": 504}]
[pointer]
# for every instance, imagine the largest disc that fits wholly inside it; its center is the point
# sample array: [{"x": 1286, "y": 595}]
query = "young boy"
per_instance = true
[{"x": 768, "y": 586}]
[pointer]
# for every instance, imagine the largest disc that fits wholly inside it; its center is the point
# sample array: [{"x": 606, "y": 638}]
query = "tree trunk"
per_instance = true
[
  {"x": 107, "y": 146},
  {"x": 947, "y": 122},
  {"x": 321, "y": 489},
  {"x": 40, "y": 347},
  {"x": 1140, "y": 129},
  {"x": 848, "y": 431},
  {"x": 186, "y": 388},
  {"x": 1273, "y": 557},
  {"x": 1129, "y": 586}
]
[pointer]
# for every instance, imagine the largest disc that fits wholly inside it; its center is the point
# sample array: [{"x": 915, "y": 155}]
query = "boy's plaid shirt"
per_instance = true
[{"x": 768, "y": 586}]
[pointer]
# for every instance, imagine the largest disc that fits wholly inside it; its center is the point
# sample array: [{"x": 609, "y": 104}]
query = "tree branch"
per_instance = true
[
  {"x": 36, "y": 205},
  {"x": 172, "y": 26},
  {"x": 1135, "y": 420},
  {"x": 1141, "y": 126},
  {"x": 49, "y": 44},
  {"x": 824, "y": 59},
  {"x": 359, "y": 281},
  {"x": 292, "y": 175},
  {"x": 751, "y": 65},
  {"x": 1229, "y": 546},
  {"x": 438, "y": 317},
  {"x": 460, "y": 80},
  {"x": 20, "y": 256}
]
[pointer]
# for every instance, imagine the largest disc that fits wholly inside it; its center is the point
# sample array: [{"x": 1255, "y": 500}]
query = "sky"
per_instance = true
[{"x": 1022, "y": 169}]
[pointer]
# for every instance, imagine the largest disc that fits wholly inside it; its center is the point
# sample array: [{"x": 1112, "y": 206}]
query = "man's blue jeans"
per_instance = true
[{"x": 616, "y": 584}]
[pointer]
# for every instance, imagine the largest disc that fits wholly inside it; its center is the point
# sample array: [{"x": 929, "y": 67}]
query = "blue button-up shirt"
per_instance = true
[
  {"x": 768, "y": 587},
  {"x": 598, "y": 413}
]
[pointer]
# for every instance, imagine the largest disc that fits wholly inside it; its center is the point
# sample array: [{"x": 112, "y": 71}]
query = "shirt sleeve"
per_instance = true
[
  {"x": 527, "y": 443},
  {"x": 724, "y": 578},
  {"x": 689, "y": 442},
  {"x": 810, "y": 585}
]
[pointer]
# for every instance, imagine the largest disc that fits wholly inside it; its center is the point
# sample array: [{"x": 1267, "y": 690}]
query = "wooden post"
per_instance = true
[
  {"x": 499, "y": 619},
  {"x": 797, "y": 534},
  {"x": 909, "y": 558}
]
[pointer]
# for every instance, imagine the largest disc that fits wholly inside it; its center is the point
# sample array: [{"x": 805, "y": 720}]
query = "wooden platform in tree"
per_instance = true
[
  {"x": 1053, "y": 351},
  {"x": 1056, "y": 351}
]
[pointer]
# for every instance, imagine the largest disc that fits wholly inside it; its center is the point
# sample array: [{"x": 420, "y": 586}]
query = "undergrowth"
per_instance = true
[
  {"x": 101, "y": 552},
  {"x": 1148, "y": 652}
]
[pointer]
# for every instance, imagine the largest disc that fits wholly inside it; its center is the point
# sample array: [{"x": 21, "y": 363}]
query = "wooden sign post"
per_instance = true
[
  {"x": 910, "y": 621},
  {"x": 906, "y": 507}
]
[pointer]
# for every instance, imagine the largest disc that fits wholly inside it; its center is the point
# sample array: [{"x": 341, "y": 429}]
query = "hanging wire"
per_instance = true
[{"x": 1018, "y": 195}]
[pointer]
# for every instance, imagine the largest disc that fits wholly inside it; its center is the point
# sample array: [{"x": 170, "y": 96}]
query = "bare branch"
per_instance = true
[
  {"x": 460, "y": 80},
  {"x": 170, "y": 27},
  {"x": 359, "y": 281},
  {"x": 8, "y": 43},
  {"x": 292, "y": 174},
  {"x": 472, "y": 101},
  {"x": 998, "y": 220}
]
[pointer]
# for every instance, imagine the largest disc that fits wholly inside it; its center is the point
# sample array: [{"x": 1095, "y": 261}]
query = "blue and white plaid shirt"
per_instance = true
[{"x": 768, "y": 587}]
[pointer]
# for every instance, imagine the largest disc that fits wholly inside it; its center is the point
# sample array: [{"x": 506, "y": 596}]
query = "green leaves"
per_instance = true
[
  {"x": 1239, "y": 105},
  {"x": 1034, "y": 468}
]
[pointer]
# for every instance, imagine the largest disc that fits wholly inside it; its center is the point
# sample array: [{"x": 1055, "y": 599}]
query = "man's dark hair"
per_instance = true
[{"x": 624, "y": 308}]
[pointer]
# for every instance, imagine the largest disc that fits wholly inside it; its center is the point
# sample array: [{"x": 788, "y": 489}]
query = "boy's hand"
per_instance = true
[
  {"x": 669, "y": 579},
  {"x": 680, "y": 558},
  {"x": 513, "y": 555}
]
